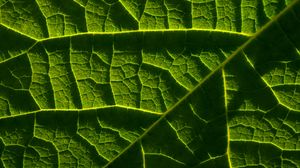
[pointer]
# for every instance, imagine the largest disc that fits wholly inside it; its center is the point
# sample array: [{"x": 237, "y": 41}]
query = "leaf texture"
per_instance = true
[{"x": 159, "y": 83}]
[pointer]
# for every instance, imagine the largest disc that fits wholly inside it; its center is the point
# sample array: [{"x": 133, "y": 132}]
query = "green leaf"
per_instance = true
[{"x": 160, "y": 83}]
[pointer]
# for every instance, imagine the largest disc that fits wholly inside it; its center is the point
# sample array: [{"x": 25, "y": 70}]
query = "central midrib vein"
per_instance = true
[
  {"x": 138, "y": 110},
  {"x": 132, "y": 31},
  {"x": 149, "y": 31}
]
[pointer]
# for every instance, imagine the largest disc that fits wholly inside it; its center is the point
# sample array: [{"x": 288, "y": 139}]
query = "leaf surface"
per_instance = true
[{"x": 157, "y": 83}]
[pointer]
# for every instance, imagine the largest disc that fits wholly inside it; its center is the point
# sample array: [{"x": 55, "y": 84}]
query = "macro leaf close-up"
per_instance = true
[{"x": 149, "y": 83}]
